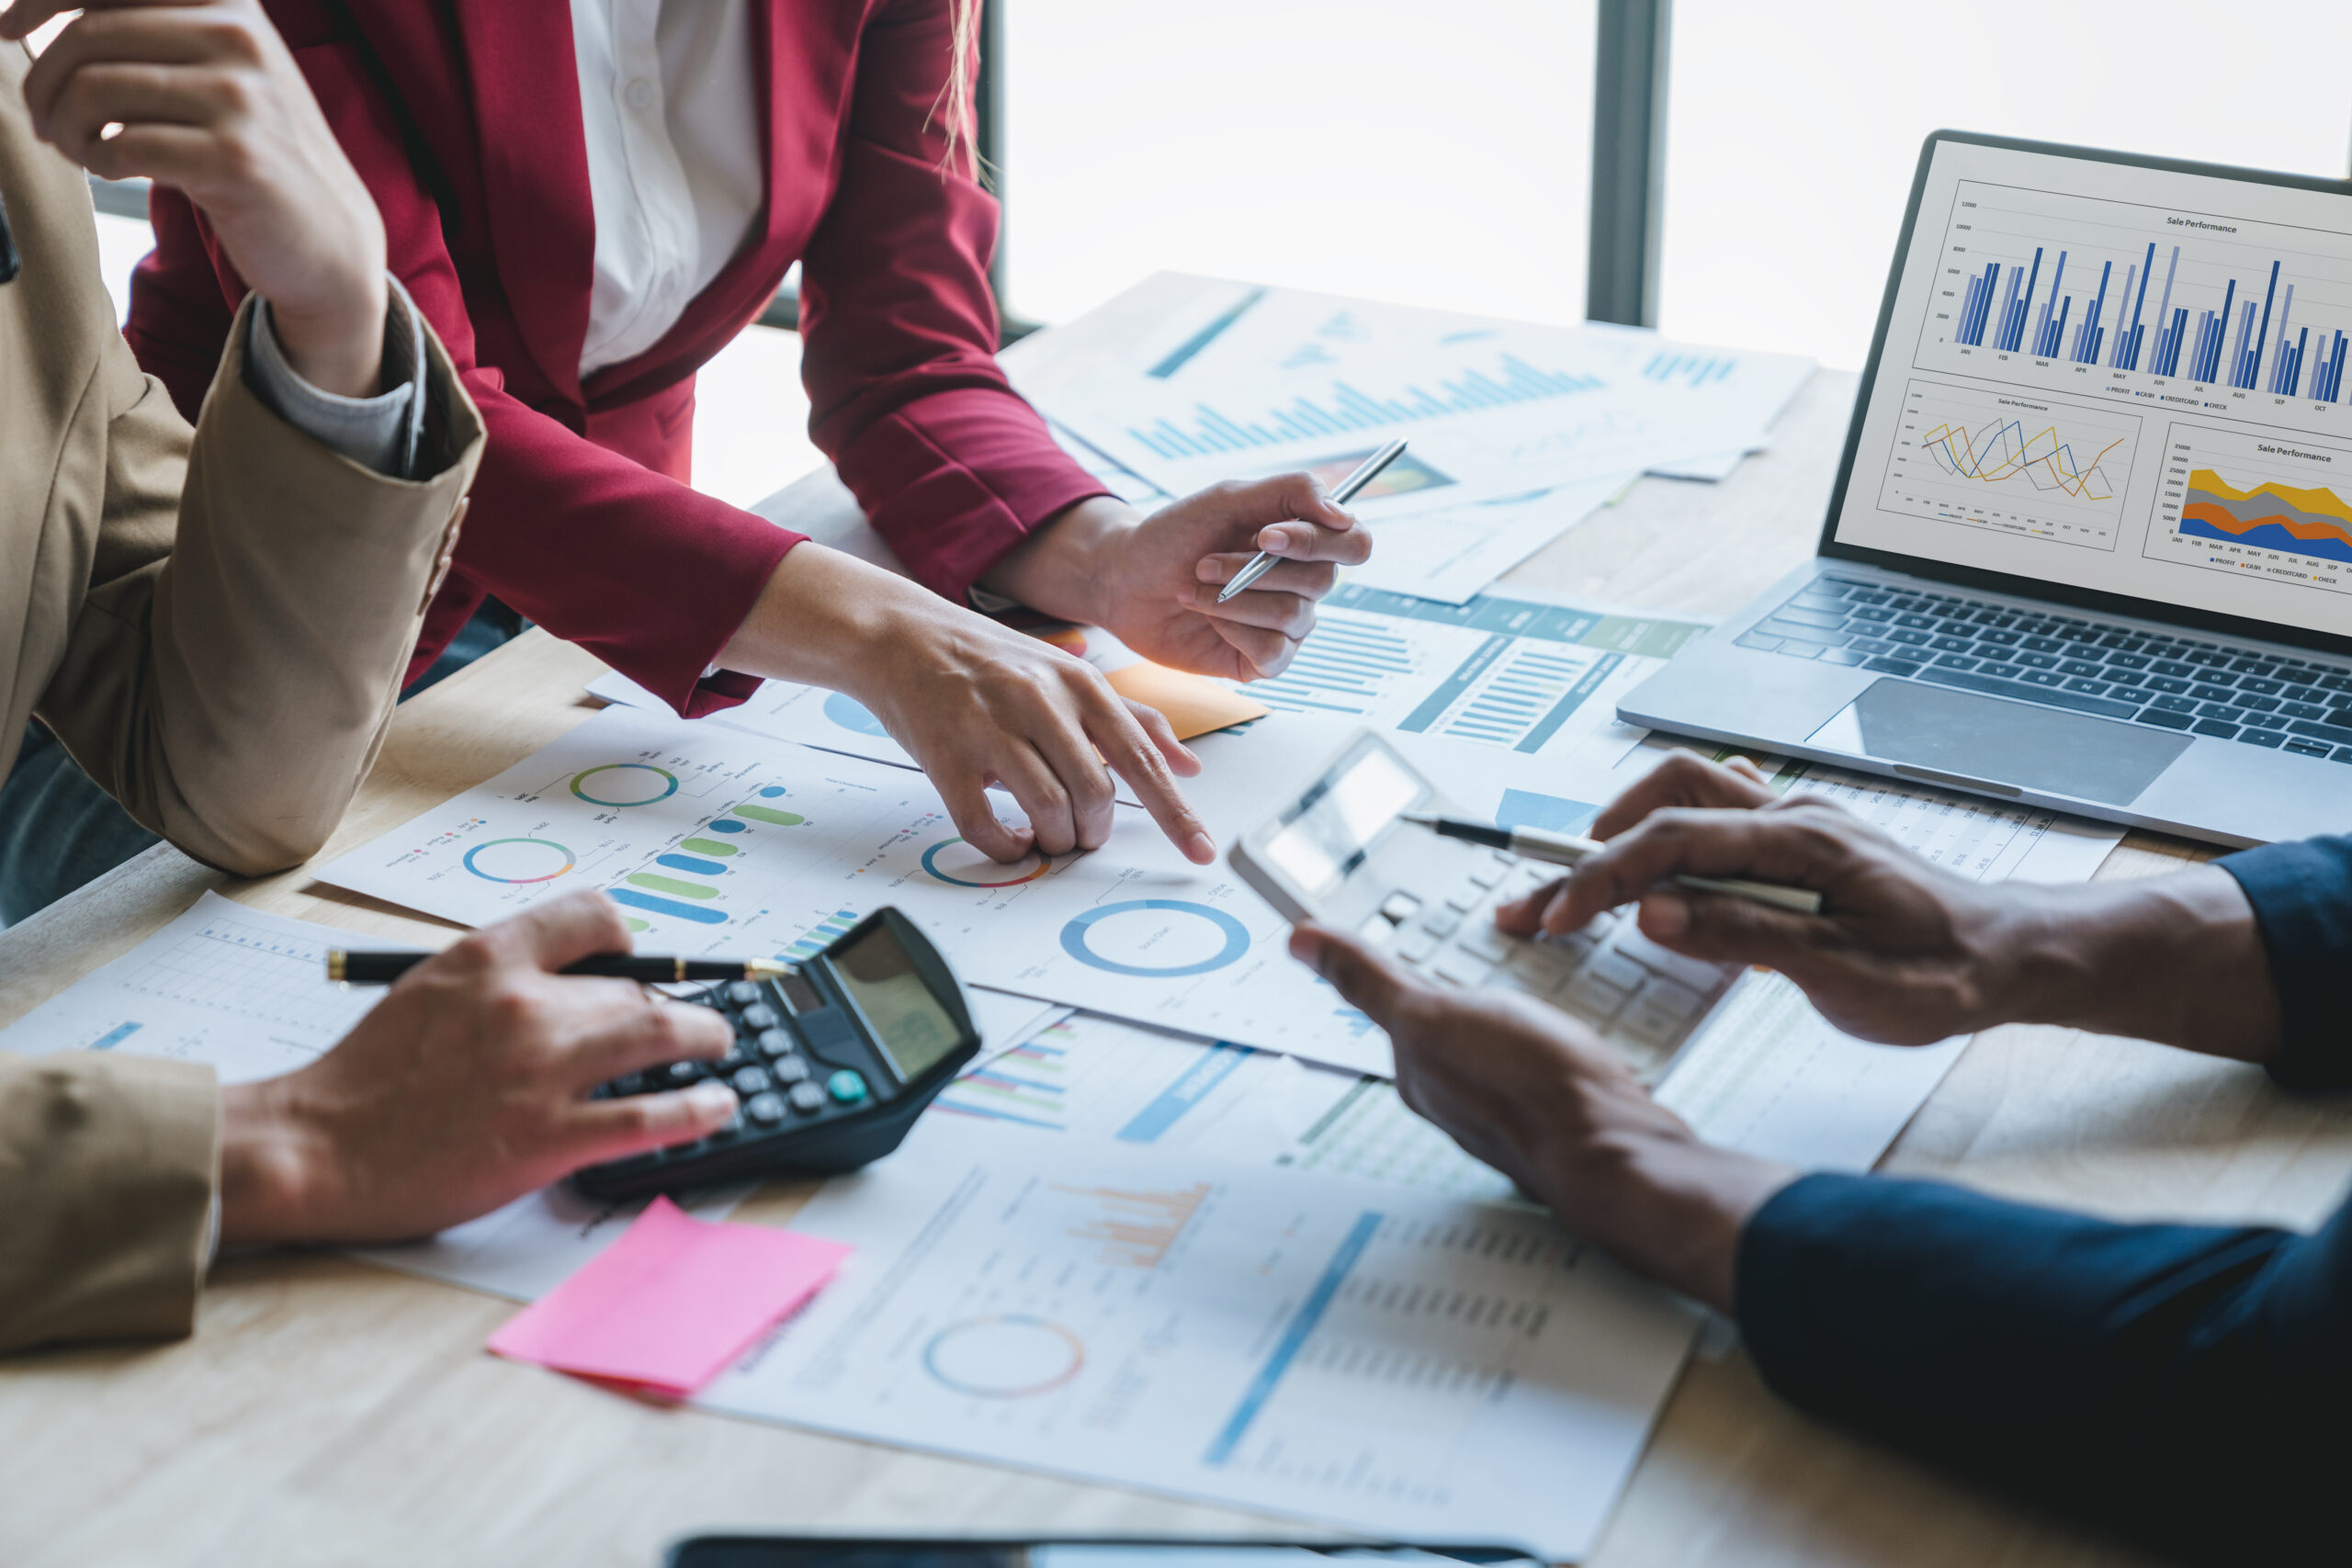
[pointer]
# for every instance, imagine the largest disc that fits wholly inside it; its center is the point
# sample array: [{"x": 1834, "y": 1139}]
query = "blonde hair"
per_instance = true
[{"x": 955, "y": 97}]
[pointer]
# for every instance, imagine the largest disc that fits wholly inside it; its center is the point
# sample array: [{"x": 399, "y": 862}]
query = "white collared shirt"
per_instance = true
[{"x": 671, "y": 112}]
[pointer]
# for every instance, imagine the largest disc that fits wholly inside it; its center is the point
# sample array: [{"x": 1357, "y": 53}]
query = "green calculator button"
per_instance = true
[{"x": 845, "y": 1086}]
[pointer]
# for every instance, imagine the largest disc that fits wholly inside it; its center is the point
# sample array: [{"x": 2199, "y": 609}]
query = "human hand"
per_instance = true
[
  {"x": 1153, "y": 582},
  {"x": 465, "y": 1088},
  {"x": 207, "y": 98},
  {"x": 1901, "y": 953},
  {"x": 975, "y": 702},
  {"x": 1533, "y": 1094}
]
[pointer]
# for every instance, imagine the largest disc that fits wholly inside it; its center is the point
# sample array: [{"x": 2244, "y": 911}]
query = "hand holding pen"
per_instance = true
[
  {"x": 1344, "y": 491},
  {"x": 1570, "y": 850}
]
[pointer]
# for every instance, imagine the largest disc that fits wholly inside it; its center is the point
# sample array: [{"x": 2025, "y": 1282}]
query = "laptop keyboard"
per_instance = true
[
  {"x": 1642, "y": 998},
  {"x": 2167, "y": 682}
]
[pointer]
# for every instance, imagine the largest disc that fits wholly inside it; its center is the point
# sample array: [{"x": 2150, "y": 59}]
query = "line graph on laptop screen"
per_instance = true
[
  {"x": 2118, "y": 378},
  {"x": 2036, "y": 467}
]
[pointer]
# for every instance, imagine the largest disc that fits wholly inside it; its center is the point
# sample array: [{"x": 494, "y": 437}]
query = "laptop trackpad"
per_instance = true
[{"x": 1999, "y": 741}]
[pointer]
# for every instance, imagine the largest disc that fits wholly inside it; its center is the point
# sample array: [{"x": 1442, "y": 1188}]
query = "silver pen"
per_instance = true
[
  {"x": 1568, "y": 849},
  {"x": 1366, "y": 471}
]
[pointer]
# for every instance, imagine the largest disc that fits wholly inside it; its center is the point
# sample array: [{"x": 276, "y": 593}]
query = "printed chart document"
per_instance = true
[
  {"x": 722, "y": 842},
  {"x": 1521, "y": 670},
  {"x": 246, "y": 993},
  {"x": 1250, "y": 380},
  {"x": 1399, "y": 1363},
  {"x": 1447, "y": 554},
  {"x": 1092, "y": 1077}
]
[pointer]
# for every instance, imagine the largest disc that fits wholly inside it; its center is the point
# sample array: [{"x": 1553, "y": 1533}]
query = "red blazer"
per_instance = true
[{"x": 581, "y": 517}]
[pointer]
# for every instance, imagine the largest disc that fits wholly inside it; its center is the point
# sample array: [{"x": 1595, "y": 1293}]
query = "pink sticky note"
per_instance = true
[{"x": 672, "y": 1303}]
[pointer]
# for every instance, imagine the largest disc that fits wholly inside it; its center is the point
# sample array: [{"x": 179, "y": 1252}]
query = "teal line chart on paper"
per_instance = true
[
  {"x": 763, "y": 846},
  {"x": 1404, "y": 1363},
  {"x": 1499, "y": 670}
]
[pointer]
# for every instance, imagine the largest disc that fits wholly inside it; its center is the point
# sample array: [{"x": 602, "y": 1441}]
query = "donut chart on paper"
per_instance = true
[
  {"x": 853, "y": 714},
  {"x": 1136, "y": 938},
  {"x": 619, "y": 785},
  {"x": 1006, "y": 1355},
  {"x": 951, "y": 868},
  {"x": 519, "y": 860}
]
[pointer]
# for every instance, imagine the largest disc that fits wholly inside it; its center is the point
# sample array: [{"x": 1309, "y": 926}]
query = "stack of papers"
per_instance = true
[{"x": 1518, "y": 430}]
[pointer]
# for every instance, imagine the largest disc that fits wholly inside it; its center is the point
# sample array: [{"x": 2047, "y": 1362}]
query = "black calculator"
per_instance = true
[{"x": 832, "y": 1064}]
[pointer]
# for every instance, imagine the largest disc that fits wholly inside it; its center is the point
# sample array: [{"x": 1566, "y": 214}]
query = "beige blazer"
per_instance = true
[{"x": 215, "y": 625}]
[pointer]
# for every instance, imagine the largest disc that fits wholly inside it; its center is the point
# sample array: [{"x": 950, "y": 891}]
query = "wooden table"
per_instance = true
[{"x": 325, "y": 1411}]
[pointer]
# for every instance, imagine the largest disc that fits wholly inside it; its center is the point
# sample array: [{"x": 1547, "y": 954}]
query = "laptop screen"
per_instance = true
[{"x": 2119, "y": 378}]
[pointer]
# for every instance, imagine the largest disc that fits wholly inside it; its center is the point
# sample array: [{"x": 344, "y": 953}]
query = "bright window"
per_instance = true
[
  {"x": 1792, "y": 132},
  {"x": 1434, "y": 154}
]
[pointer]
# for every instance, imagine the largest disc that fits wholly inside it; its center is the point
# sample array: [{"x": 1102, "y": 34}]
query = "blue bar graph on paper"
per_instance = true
[
  {"x": 1209, "y": 431},
  {"x": 670, "y": 907}
]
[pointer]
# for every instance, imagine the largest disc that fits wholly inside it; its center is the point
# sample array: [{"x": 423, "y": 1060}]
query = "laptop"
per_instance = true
[{"x": 2090, "y": 546}]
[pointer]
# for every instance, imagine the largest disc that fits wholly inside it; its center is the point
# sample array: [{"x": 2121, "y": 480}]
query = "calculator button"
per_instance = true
[
  {"x": 774, "y": 1041},
  {"x": 1537, "y": 969},
  {"x": 846, "y": 1087},
  {"x": 1593, "y": 997},
  {"x": 764, "y": 1109},
  {"x": 807, "y": 1096},
  {"x": 1488, "y": 943},
  {"x": 1648, "y": 1020},
  {"x": 759, "y": 1015},
  {"x": 1490, "y": 873},
  {"x": 1462, "y": 968},
  {"x": 1691, "y": 972},
  {"x": 1466, "y": 897},
  {"x": 681, "y": 1073},
  {"x": 1398, "y": 907},
  {"x": 1526, "y": 880},
  {"x": 1617, "y": 970},
  {"x": 1441, "y": 922},
  {"x": 744, "y": 993},
  {"x": 752, "y": 1080},
  {"x": 789, "y": 1069},
  {"x": 1415, "y": 947}
]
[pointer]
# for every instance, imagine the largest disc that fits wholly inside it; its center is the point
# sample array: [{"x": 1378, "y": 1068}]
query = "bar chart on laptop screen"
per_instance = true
[{"x": 2060, "y": 290}]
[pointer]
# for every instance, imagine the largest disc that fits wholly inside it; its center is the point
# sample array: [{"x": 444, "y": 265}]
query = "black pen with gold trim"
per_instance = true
[{"x": 383, "y": 968}]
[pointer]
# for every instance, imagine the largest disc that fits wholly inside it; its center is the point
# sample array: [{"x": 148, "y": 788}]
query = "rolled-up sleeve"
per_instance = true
[
  {"x": 384, "y": 433},
  {"x": 108, "y": 1169}
]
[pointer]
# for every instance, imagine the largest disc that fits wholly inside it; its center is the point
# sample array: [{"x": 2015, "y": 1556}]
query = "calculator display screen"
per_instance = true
[
  {"x": 1326, "y": 833},
  {"x": 909, "y": 1021}
]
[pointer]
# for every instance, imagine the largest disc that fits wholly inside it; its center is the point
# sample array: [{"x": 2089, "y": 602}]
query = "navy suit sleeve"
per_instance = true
[
  {"x": 2185, "y": 1385},
  {"x": 2301, "y": 895}
]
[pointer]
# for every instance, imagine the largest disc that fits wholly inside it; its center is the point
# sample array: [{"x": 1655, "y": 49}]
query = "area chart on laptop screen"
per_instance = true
[
  {"x": 2039, "y": 467},
  {"x": 2255, "y": 505},
  {"x": 2229, "y": 314}
]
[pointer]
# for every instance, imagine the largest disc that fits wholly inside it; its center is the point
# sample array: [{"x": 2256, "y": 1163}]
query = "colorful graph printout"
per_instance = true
[{"x": 1132, "y": 929}]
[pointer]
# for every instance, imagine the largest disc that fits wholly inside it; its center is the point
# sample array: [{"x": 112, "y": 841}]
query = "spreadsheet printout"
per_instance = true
[{"x": 1402, "y": 1363}]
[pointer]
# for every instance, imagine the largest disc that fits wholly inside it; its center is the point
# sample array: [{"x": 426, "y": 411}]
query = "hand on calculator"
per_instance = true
[
  {"x": 1903, "y": 952},
  {"x": 467, "y": 1086}
]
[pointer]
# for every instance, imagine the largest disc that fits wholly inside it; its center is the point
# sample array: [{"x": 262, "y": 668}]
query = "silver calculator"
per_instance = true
[{"x": 1340, "y": 855}]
